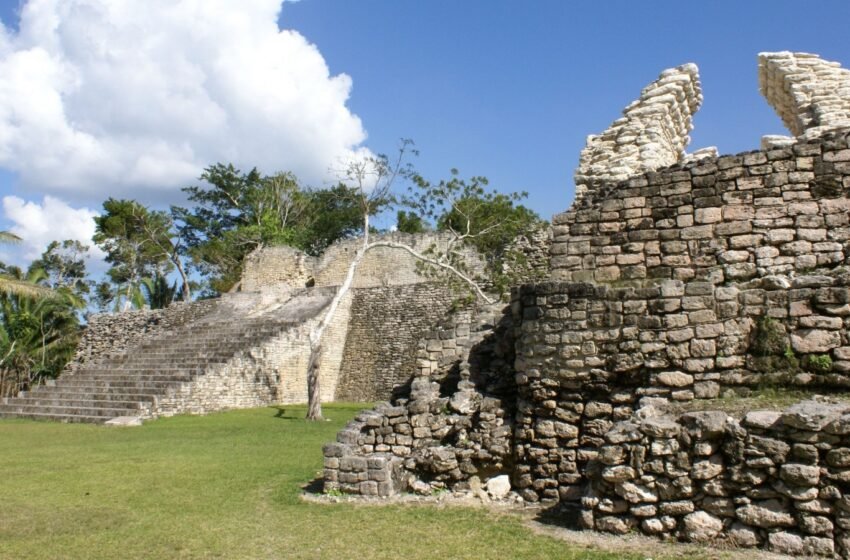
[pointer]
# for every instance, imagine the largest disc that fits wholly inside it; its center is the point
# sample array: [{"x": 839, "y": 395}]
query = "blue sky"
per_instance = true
[
  {"x": 511, "y": 89},
  {"x": 505, "y": 89}
]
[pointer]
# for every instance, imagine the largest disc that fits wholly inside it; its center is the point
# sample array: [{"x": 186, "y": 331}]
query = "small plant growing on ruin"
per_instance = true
[
  {"x": 817, "y": 363},
  {"x": 769, "y": 348}
]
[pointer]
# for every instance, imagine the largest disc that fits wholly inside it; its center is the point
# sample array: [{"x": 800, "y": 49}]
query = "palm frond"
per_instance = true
[
  {"x": 23, "y": 288},
  {"x": 9, "y": 237}
]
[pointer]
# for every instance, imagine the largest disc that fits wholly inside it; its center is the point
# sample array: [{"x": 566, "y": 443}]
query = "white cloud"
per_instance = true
[
  {"x": 52, "y": 220},
  {"x": 130, "y": 98}
]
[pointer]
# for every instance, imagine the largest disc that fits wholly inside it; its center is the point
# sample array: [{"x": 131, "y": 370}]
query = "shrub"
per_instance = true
[{"x": 817, "y": 363}]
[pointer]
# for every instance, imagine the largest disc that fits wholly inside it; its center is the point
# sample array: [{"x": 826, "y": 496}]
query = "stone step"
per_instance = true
[
  {"x": 118, "y": 375},
  {"x": 82, "y": 402},
  {"x": 68, "y": 418},
  {"x": 23, "y": 409},
  {"x": 99, "y": 386},
  {"x": 104, "y": 396},
  {"x": 130, "y": 382},
  {"x": 139, "y": 372}
]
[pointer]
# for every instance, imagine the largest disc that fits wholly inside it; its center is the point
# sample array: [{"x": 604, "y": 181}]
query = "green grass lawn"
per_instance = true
[{"x": 220, "y": 486}]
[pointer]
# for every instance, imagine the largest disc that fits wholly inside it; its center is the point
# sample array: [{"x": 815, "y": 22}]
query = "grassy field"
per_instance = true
[{"x": 220, "y": 486}]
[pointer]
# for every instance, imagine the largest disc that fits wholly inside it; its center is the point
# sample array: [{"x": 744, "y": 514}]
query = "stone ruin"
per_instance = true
[
  {"x": 652, "y": 133},
  {"x": 251, "y": 347},
  {"x": 673, "y": 281},
  {"x": 810, "y": 95}
]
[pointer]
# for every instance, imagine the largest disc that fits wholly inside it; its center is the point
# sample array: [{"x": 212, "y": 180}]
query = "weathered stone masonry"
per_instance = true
[
  {"x": 664, "y": 288},
  {"x": 731, "y": 218}
]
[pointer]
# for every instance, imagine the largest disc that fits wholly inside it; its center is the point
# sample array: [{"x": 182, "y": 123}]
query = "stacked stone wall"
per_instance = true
[
  {"x": 386, "y": 326},
  {"x": 774, "y": 479},
  {"x": 114, "y": 333},
  {"x": 450, "y": 427},
  {"x": 590, "y": 355},
  {"x": 726, "y": 219}
]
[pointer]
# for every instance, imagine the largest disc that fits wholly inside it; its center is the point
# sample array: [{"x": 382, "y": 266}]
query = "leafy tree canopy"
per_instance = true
[
  {"x": 138, "y": 244},
  {"x": 238, "y": 212},
  {"x": 477, "y": 216}
]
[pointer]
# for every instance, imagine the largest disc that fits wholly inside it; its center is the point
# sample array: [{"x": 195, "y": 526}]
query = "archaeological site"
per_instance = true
[{"x": 675, "y": 283}]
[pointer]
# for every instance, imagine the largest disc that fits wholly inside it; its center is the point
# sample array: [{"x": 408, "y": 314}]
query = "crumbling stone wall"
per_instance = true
[
  {"x": 451, "y": 429},
  {"x": 810, "y": 95},
  {"x": 652, "y": 133},
  {"x": 589, "y": 355},
  {"x": 732, "y": 218},
  {"x": 775, "y": 479}
]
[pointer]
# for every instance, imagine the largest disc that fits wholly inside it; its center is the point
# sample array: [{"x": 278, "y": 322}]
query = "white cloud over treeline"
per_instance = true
[
  {"x": 37, "y": 224},
  {"x": 134, "y": 99}
]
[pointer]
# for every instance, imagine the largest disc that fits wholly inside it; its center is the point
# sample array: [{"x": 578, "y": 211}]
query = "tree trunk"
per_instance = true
[
  {"x": 314, "y": 409},
  {"x": 187, "y": 292}
]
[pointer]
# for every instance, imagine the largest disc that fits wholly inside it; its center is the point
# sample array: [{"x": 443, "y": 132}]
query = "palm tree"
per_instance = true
[
  {"x": 15, "y": 286},
  {"x": 38, "y": 336}
]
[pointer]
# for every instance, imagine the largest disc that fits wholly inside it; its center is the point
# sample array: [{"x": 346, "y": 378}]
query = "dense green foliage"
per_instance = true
[
  {"x": 38, "y": 335},
  {"x": 222, "y": 486},
  {"x": 476, "y": 216},
  {"x": 409, "y": 222}
]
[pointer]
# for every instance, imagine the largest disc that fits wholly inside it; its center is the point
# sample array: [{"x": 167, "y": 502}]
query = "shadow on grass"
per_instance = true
[
  {"x": 281, "y": 413},
  {"x": 315, "y": 486}
]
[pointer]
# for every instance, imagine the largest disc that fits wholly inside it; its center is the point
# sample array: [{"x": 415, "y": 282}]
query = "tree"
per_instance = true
[
  {"x": 38, "y": 335},
  {"x": 410, "y": 222},
  {"x": 140, "y": 244},
  {"x": 157, "y": 292},
  {"x": 16, "y": 286},
  {"x": 487, "y": 220},
  {"x": 372, "y": 180},
  {"x": 238, "y": 212},
  {"x": 65, "y": 266}
]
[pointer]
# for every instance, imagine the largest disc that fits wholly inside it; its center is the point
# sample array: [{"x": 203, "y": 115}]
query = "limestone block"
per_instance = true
[
  {"x": 785, "y": 543},
  {"x": 815, "y": 341},
  {"x": 812, "y": 415},
  {"x": 766, "y": 514},
  {"x": 701, "y": 526},
  {"x": 499, "y": 487}
]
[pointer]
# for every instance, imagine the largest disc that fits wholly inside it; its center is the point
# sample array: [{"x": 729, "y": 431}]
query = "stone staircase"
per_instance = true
[{"x": 131, "y": 383}]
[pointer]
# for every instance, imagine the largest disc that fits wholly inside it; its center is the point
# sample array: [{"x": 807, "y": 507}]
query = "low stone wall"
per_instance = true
[{"x": 775, "y": 479}]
